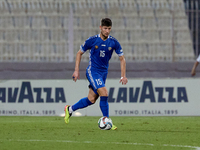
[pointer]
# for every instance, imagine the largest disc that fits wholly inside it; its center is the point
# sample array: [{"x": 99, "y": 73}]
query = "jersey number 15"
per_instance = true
[
  {"x": 98, "y": 81},
  {"x": 102, "y": 53}
]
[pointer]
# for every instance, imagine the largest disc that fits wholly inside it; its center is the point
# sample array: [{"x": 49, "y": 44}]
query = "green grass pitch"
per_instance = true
[{"x": 82, "y": 133}]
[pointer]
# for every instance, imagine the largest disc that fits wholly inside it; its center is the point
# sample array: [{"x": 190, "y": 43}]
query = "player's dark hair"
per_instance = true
[{"x": 106, "y": 22}]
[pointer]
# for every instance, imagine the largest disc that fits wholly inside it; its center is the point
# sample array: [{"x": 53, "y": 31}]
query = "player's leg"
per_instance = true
[
  {"x": 97, "y": 84},
  {"x": 86, "y": 101},
  {"x": 103, "y": 93},
  {"x": 82, "y": 103}
]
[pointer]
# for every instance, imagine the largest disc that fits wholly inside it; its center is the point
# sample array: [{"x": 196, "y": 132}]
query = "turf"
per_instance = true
[{"x": 140, "y": 133}]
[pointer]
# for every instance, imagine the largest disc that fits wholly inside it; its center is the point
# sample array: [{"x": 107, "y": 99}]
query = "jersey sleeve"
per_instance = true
[
  {"x": 118, "y": 49},
  {"x": 198, "y": 59},
  {"x": 86, "y": 45}
]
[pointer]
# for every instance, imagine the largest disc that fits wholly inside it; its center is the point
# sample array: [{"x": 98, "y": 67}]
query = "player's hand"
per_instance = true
[
  {"x": 123, "y": 80},
  {"x": 193, "y": 72},
  {"x": 75, "y": 76}
]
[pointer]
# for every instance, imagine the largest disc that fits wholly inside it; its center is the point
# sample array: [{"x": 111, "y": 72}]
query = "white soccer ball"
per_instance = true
[{"x": 105, "y": 123}]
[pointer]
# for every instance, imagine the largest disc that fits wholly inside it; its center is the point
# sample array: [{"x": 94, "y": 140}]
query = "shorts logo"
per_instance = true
[
  {"x": 109, "y": 48},
  {"x": 96, "y": 46}
]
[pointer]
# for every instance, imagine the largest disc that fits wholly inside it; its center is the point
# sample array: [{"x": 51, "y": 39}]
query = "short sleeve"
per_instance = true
[
  {"x": 86, "y": 45},
  {"x": 198, "y": 59},
  {"x": 118, "y": 49}
]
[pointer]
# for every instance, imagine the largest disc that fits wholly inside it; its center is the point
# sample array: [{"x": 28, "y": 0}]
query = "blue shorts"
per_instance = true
[{"x": 96, "y": 79}]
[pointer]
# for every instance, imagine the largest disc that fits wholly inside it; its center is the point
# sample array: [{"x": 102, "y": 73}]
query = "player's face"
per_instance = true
[{"x": 105, "y": 31}]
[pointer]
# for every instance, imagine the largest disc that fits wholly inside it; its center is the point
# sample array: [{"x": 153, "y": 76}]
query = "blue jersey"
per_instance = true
[{"x": 101, "y": 51}]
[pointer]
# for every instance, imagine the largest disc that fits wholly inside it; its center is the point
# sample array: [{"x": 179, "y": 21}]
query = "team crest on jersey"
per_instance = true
[
  {"x": 109, "y": 48},
  {"x": 96, "y": 46}
]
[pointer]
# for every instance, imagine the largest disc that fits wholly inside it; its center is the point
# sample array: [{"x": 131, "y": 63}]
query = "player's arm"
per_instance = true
[
  {"x": 76, "y": 74},
  {"x": 123, "y": 79},
  {"x": 193, "y": 72}
]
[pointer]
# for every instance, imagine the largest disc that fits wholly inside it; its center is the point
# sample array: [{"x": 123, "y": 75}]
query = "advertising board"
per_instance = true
[{"x": 140, "y": 97}]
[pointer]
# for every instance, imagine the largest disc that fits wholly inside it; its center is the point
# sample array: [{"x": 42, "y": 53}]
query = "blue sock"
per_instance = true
[
  {"x": 82, "y": 103},
  {"x": 104, "y": 105}
]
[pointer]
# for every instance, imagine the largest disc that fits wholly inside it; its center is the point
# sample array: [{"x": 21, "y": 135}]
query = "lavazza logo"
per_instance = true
[
  {"x": 124, "y": 94},
  {"x": 148, "y": 93},
  {"x": 26, "y": 93}
]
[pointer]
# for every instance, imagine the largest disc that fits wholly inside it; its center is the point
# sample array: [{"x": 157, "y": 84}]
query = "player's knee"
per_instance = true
[
  {"x": 93, "y": 99},
  {"x": 102, "y": 92}
]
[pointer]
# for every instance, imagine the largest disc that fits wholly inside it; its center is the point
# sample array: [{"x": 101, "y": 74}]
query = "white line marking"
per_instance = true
[
  {"x": 64, "y": 141},
  {"x": 29, "y": 121}
]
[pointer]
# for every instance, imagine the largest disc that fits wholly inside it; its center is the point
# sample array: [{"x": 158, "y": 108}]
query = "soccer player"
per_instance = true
[
  {"x": 193, "y": 72},
  {"x": 101, "y": 47}
]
